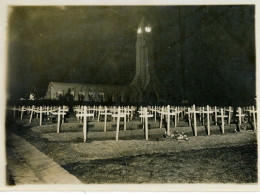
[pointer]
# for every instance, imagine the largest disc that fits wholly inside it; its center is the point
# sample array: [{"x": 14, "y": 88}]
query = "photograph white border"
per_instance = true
[{"x": 110, "y": 187}]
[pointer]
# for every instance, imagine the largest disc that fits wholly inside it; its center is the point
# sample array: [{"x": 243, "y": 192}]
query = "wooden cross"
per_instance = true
[
  {"x": 178, "y": 112},
  {"x": 64, "y": 109},
  {"x": 22, "y": 110},
  {"x": 230, "y": 110},
  {"x": 194, "y": 111},
  {"x": 240, "y": 115},
  {"x": 59, "y": 113},
  {"x": 105, "y": 113},
  {"x": 99, "y": 111},
  {"x": 119, "y": 115},
  {"x": 31, "y": 114},
  {"x": 41, "y": 111},
  {"x": 114, "y": 112},
  {"x": 189, "y": 117},
  {"x": 253, "y": 112},
  {"x": 202, "y": 113},
  {"x": 222, "y": 116},
  {"x": 216, "y": 114},
  {"x": 162, "y": 116},
  {"x": 169, "y": 114},
  {"x": 208, "y": 112},
  {"x": 174, "y": 113},
  {"x": 85, "y": 115},
  {"x": 145, "y": 115}
]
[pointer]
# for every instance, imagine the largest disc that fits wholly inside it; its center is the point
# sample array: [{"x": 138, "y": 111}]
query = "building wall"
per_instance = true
[{"x": 90, "y": 92}]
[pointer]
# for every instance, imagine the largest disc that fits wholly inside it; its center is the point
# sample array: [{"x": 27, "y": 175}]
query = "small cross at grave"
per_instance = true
[
  {"x": 253, "y": 112},
  {"x": 85, "y": 115},
  {"x": 208, "y": 112},
  {"x": 161, "y": 116},
  {"x": 189, "y": 117},
  {"x": 216, "y": 114},
  {"x": 169, "y": 114},
  {"x": 59, "y": 114},
  {"x": 240, "y": 115},
  {"x": 105, "y": 113},
  {"x": 194, "y": 111},
  {"x": 22, "y": 110},
  {"x": 119, "y": 115},
  {"x": 40, "y": 111},
  {"x": 222, "y": 116},
  {"x": 229, "y": 110},
  {"x": 146, "y": 115}
]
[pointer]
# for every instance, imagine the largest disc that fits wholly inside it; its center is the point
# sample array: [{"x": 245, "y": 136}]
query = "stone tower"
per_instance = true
[{"x": 145, "y": 83}]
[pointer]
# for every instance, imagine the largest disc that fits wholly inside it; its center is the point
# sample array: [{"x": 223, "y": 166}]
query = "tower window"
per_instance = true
[
  {"x": 139, "y": 30},
  {"x": 148, "y": 29}
]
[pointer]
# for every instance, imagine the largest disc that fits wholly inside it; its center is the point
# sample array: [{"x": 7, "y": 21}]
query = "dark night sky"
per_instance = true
[{"x": 87, "y": 44}]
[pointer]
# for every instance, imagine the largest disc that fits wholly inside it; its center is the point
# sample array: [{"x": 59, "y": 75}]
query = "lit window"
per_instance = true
[
  {"x": 139, "y": 30},
  {"x": 148, "y": 29}
]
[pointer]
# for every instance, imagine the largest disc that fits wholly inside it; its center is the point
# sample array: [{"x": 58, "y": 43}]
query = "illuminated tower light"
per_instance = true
[{"x": 148, "y": 29}]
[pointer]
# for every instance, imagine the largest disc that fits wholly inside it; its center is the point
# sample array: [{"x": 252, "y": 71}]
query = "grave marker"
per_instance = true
[
  {"x": 119, "y": 115},
  {"x": 194, "y": 111},
  {"x": 145, "y": 115},
  {"x": 240, "y": 115},
  {"x": 229, "y": 114},
  {"x": 208, "y": 112},
  {"x": 253, "y": 112},
  {"x": 85, "y": 115},
  {"x": 105, "y": 113},
  {"x": 222, "y": 116}
]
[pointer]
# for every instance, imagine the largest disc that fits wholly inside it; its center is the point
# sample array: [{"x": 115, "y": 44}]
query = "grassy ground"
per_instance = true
[{"x": 228, "y": 158}]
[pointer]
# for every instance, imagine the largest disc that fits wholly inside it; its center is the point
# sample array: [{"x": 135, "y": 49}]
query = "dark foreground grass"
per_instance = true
[
  {"x": 232, "y": 164},
  {"x": 222, "y": 165}
]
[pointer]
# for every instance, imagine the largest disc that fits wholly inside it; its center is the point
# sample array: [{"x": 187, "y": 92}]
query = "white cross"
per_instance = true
[
  {"x": 222, "y": 116},
  {"x": 240, "y": 115},
  {"x": 22, "y": 110},
  {"x": 202, "y": 113},
  {"x": 31, "y": 110},
  {"x": 208, "y": 112},
  {"x": 41, "y": 111},
  {"x": 105, "y": 113},
  {"x": 229, "y": 110},
  {"x": 145, "y": 115},
  {"x": 169, "y": 114},
  {"x": 99, "y": 111},
  {"x": 194, "y": 111},
  {"x": 161, "y": 116},
  {"x": 113, "y": 112},
  {"x": 216, "y": 114},
  {"x": 85, "y": 115},
  {"x": 188, "y": 113},
  {"x": 119, "y": 115},
  {"x": 253, "y": 112},
  {"x": 59, "y": 113}
]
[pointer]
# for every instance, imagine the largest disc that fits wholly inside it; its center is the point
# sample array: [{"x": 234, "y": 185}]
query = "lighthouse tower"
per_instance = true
[{"x": 145, "y": 82}]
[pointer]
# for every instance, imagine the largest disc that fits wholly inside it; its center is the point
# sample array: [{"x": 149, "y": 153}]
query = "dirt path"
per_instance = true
[{"x": 27, "y": 165}]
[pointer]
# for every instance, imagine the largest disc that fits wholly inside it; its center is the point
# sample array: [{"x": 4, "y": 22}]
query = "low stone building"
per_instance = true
[{"x": 85, "y": 92}]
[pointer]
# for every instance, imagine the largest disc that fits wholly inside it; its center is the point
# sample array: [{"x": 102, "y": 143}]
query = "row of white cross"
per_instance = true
[
  {"x": 40, "y": 111},
  {"x": 120, "y": 112},
  {"x": 218, "y": 113},
  {"x": 127, "y": 112}
]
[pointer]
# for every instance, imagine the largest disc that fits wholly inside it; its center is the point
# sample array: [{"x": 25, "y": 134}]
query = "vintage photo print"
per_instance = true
[{"x": 143, "y": 96}]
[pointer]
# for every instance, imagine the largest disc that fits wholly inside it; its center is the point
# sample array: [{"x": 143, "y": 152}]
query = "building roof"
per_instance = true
[{"x": 86, "y": 87}]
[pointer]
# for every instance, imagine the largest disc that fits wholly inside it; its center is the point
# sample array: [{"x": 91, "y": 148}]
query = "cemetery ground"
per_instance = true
[{"x": 218, "y": 158}]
